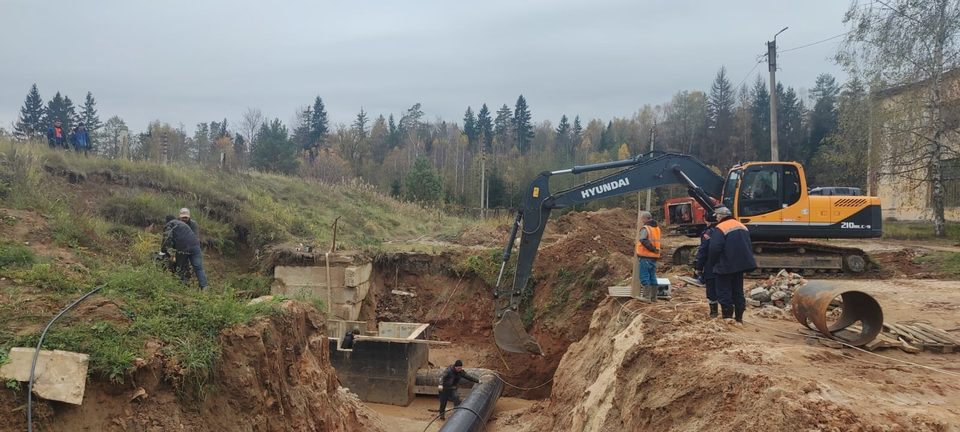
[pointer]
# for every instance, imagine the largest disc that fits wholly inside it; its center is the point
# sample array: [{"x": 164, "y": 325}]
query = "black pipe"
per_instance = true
[
  {"x": 477, "y": 406},
  {"x": 36, "y": 354}
]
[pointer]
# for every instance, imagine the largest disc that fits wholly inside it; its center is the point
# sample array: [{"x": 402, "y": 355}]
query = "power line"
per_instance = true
[
  {"x": 748, "y": 73},
  {"x": 815, "y": 43}
]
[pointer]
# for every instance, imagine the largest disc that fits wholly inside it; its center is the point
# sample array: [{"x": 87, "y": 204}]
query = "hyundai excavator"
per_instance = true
[{"x": 770, "y": 198}]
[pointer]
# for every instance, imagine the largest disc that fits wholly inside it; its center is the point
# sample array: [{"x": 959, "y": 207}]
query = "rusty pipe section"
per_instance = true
[{"x": 811, "y": 304}]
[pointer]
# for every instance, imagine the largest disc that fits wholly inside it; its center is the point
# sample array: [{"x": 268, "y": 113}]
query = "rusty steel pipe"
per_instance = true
[{"x": 810, "y": 306}]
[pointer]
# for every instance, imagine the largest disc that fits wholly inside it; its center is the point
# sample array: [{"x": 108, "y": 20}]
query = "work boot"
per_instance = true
[
  {"x": 651, "y": 292},
  {"x": 713, "y": 310},
  {"x": 738, "y": 313},
  {"x": 726, "y": 312}
]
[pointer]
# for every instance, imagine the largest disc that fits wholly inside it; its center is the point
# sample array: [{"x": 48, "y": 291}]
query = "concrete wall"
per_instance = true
[
  {"x": 338, "y": 328},
  {"x": 403, "y": 330},
  {"x": 349, "y": 285},
  {"x": 380, "y": 371}
]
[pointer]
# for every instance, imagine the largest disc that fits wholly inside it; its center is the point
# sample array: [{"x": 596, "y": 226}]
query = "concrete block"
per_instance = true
[
  {"x": 399, "y": 330},
  {"x": 59, "y": 376}
]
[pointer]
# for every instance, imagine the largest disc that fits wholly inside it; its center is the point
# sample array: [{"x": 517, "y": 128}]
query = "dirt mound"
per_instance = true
[
  {"x": 274, "y": 375},
  {"x": 659, "y": 367}
]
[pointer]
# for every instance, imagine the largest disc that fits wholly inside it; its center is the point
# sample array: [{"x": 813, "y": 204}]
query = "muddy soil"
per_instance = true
[
  {"x": 274, "y": 375},
  {"x": 666, "y": 367},
  {"x": 416, "y": 416}
]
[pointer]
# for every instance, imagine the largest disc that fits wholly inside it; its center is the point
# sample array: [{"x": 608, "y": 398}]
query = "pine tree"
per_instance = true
[
  {"x": 31, "y": 125},
  {"x": 393, "y": 134},
  {"x": 273, "y": 151},
  {"x": 319, "y": 125},
  {"x": 302, "y": 131},
  {"x": 760, "y": 119},
  {"x": 423, "y": 183},
  {"x": 90, "y": 119},
  {"x": 201, "y": 141},
  {"x": 485, "y": 128},
  {"x": 69, "y": 114},
  {"x": 502, "y": 128},
  {"x": 823, "y": 118},
  {"x": 720, "y": 119},
  {"x": 55, "y": 111},
  {"x": 791, "y": 128},
  {"x": 470, "y": 129},
  {"x": 240, "y": 150},
  {"x": 564, "y": 137},
  {"x": 521, "y": 125},
  {"x": 577, "y": 128},
  {"x": 360, "y": 125}
]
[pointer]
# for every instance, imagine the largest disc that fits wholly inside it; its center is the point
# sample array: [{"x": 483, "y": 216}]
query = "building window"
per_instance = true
[{"x": 950, "y": 170}]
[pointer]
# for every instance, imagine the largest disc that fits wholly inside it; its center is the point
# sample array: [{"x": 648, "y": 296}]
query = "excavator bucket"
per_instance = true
[{"x": 511, "y": 336}]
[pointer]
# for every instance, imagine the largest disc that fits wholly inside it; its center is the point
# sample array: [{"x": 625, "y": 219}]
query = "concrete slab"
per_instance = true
[
  {"x": 348, "y": 285},
  {"x": 59, "y": 376}
]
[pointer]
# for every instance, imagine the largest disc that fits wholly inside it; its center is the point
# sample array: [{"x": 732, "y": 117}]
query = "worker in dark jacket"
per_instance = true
[
  {"x": 56, "y": 137},
  {"x": 184, "y": 216},
  {"x": 347, "y": 342},
  {"x": 448, "y": 386},
  {"x": 179, "y": 236},
  {"x": 704, "y": 267},
  {"x": 731, "y": 254}
]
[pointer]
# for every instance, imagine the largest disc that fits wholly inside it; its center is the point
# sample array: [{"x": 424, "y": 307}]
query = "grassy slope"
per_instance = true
[{"x": 96, "y": 211}]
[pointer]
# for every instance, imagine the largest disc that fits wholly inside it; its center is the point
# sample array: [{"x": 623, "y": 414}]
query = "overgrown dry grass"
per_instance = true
[
  {"x": 233, "y": 209},
  {"x": 106, "y": 212}
]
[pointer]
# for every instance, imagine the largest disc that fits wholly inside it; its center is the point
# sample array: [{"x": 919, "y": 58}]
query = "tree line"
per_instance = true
[{"x": 439, "y": 161}]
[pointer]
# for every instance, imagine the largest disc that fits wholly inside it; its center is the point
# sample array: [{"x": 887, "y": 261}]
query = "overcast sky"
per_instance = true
[{"x": 187, "y": 61}]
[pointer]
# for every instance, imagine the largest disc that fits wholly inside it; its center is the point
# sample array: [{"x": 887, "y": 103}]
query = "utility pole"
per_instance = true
[
  {"x": 772, "y": 66},
  {"x": 165, "y": 148},
  {"x": 653, "y": 138}
]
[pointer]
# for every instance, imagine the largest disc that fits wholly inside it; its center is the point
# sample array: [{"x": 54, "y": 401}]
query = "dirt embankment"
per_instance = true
[
  {"x": 274, "y": 375},
  {"x": 666, "y": 368},
  {"x": 582, "y": 253}
]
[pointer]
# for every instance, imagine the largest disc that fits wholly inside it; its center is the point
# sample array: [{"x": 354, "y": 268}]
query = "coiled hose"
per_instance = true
[{"x": 36, "y": 354}]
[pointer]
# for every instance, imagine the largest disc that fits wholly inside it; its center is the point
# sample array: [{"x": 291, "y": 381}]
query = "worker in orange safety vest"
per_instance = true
[{"x": 648, "y": 252}]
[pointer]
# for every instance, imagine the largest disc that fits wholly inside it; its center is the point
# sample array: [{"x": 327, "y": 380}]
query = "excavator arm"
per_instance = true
[{"x": 645, "y": 171}]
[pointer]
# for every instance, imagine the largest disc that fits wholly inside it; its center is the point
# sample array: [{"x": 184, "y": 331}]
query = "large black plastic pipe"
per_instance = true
[{"x": 477, "y": 407}]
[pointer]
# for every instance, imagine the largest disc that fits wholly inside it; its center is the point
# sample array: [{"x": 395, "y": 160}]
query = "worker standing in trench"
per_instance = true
[
  {"x": 731, "y": 254},
  {"x": 648, "y": 252},
  {"x": 448, "y": 386}
]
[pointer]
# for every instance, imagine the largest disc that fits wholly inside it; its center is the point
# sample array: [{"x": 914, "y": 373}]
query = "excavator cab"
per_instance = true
[{"x": 771, "y": 198}]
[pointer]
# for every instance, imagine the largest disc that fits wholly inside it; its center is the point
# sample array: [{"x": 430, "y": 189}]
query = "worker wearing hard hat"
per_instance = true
[{"x": 731, "y": 254}]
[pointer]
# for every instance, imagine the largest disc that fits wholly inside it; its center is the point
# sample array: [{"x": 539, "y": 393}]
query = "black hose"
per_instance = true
[{"x": 36, "y": 354}]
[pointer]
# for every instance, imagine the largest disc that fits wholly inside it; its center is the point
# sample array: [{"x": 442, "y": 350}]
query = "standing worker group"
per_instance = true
[
  {"x": 648, "y": 252},
  {"x": 448, "y": 386},
  {"x": 731, "y": 254}
]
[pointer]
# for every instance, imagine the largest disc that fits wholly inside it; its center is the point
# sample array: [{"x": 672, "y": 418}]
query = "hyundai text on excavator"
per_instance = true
[{"x": 770, "y": 198}]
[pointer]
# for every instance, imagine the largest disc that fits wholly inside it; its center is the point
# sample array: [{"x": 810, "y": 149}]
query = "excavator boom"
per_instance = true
[
  {"x": 643, "y": 172},
  {"x": 771, "y": 198}
]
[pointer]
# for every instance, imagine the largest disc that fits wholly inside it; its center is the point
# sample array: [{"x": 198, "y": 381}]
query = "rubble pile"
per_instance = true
[{"x": 776, "y": 290}]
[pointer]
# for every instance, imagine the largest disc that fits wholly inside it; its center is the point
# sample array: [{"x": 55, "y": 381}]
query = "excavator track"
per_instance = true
[{"x": 806, "y": 258}]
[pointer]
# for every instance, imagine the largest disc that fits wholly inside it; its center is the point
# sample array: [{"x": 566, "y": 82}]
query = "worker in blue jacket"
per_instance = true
[
  {"x": 731, "y": 254},
  {"x": 80, "y": 139},
  {"x": 704, "y": 267}
]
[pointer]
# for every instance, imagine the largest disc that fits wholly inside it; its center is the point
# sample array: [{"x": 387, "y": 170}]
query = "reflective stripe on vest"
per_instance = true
[
  {"x": 653, "y": 235},
  {"x": 730, "y": 225}
]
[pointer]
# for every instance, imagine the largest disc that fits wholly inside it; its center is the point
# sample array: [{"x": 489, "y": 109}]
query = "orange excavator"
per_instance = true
[{"x": 770, "y": 198}]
